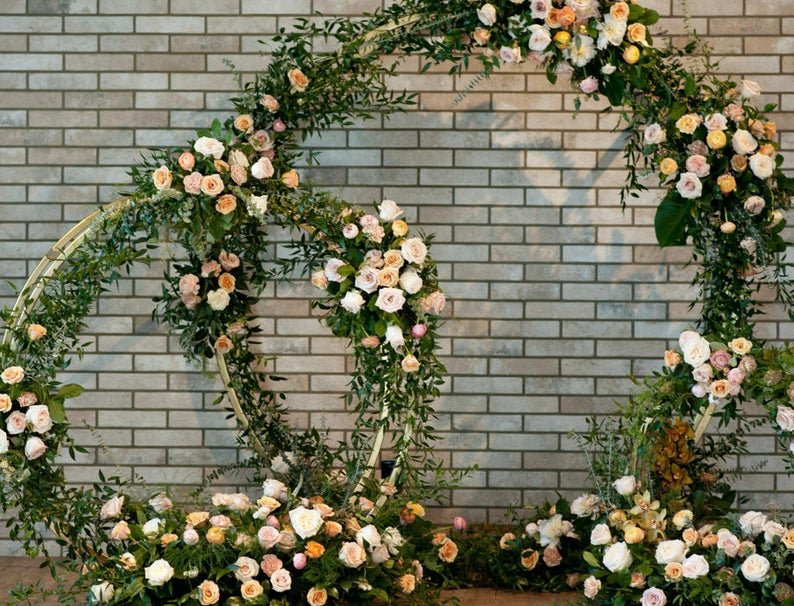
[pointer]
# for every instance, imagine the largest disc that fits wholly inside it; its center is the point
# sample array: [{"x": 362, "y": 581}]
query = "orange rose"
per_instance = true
[
  {"x": 333, "y": 529},
  {"x": 566, "y": 16},
  {"x": 226, "y": 204},
  {"x": 227, "y": 282},
  {"x": 727, "y": 183},
  {"x": 314, "y": 549}
]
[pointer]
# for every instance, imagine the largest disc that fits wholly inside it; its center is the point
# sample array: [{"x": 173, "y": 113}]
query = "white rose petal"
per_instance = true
[
  {"x": 159, "y": 573},
  {"x": 617, "y": 557},
  {"x": 212, "y": 148}
]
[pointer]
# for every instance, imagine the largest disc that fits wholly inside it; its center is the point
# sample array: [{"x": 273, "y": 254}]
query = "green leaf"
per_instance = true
[
  {"x": 651, "y": 17},
  {"x": 591, "y": 559},
  {"x": 635, "y": 12},
  {"x": 57, "y": 410},
  {"x": 70, "y": 390},
  {"x": 614, "y": 88},
  {"x": 671, "y": 221},
  {"x": 690, "y": 88}
]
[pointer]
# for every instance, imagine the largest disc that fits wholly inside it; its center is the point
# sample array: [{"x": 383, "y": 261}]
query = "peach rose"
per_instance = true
[
  {"x": 333, "y": 529},
  {"x": 13, "y": 375},
  {"x": 727, "y": 183},
  {"x": 729, "y": 599},
  {"x": 239, "y": 174},
  {"x": 317, "y": 596},
  {"x": 619, "y": 11},
  {"x": 5, "y": 402},
  {"x": 251, "y": 589},
  {"x": 270, "y": 103},
  {"x": 448, "y": 552},
  {"x": 529, "y": 559},
  {"x": 566, "y": 16},
  {"x": 244, "y": 123},
  {"x": 637, "y": 33},
  {"x": 389, "y": 277},
  {"x": 36, "y": 332},
  {"x": 690, "y": 536},
  {"x": 228, "y": 260},
  {"x": 410, "y": 364},
  {"x": 226, "y": 204},
  {"x": 209, "y": 593},
  {"x": 197, "y": 518},
  {"x": 291, "y": 179},
  {"x": 481, "y": 36},
  {"x": 186, "y": 161},
  {"x": 270, "y": 564},
  {"x": 407, "y": 583},
  {"x": 120, "y": 532},
  {"x": 223, "y": 345},
  {"x": 673, "y": 571},
  {"x": 298, "y": 79},
  {"x": 314, "y": 550},
  {"x": 212, "y": 185},
  {"x": 770, "y": 130}
]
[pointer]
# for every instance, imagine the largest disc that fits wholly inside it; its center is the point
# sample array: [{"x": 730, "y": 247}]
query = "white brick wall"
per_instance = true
[{"x": 558, "y": 295}]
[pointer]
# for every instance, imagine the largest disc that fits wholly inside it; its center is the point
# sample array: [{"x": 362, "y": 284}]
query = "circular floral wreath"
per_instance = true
[{"x": 323, "y": 511}]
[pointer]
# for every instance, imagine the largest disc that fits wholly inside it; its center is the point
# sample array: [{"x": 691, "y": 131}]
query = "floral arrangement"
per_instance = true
[{"x": 279, "y": 549}]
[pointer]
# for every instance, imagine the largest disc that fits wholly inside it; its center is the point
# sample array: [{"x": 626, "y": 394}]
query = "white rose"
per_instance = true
[
  {"x": 281, "y": 580},
  {"x": 102, "y": 593},
  {"x": 510, "y": 54},
  {"x": 262, "y": 169},
  {"x": 305, "y": 522},
  {"x": 540, "y": 38},
  {"x": 15, "y": 423},
  {"x": 410, "y": 282},
  {"x": 352, "y": 555},
  {"x": 716, "y": 122},
  {"x": 755, "y": 568},
  {"x": 414, "y": 251},
  {"x": 774, "y": 531},
  {"x": 3, "y": 442},
  {"x": 268, "y": 536},
  {"x": 654, "y": 134},
  {"x": 591, "y": 587},
  {"x": 608, "y": 69},
  {"x": 785, "y": 418},
  {"x": 247, "y": 569},
  {"x": 697, "y": 352},
  {"x": 218, "y": 299},
  {"x": 394, "y": 336},
  {"x": 389, "y": 211},
  {"x": 39, "y": 418},
  {"x": 273, "y": 488},
  {"x": 390, "y": 300},
  {"x": 257, "y": 206},
  {"x": 617, "y": 557},
  {"x": 161, "y": 503},
  {"x": 34, "y": 448},
  {"x": 152, "y": 527},
  {"x": 762, "y": 165},
  {"x": 749, "y": 89},
  {"x": 689, "y": 186},
  {"x": 612, "y": 32},
  {"x": 625, "y": 486},
  {"x": 159, "y": 573},
  {"x": 752, "y": 523},
  {"x": 487, "y": 14},
  {"x": 209, "y": 147},
  {"x": 332, "y": 270},
  {"x": 653, "y": 597},
  {"x": 600, "y": 535},
  {"x": 540, "y": 8},
  {"x": 370, "y": 535},
  {"x": 393, "y": 540},
  {"x": 352, "y": 301},
  {"x": 754, "y": 205},
  {"x": 743, "y": 142},
  {"x": 671, "y": 551},
  {"x": 585, "y": 505},
  {"x": 695, "y": 566},
  {"x": 112, "y": 508},
  {"x": 367, "y": 279}
]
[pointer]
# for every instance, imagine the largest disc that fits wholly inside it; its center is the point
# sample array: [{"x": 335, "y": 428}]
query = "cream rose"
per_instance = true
[
  {"x": 332, "y": 267},
  {"x": 251, "y": 589},
  {"x": 785, "y": 418},
  {"x": 3, "y": 442},
  {"x": 414, "y": 251},
  {"x": 162, "y": 178},
  {"x": 13, "y": 375},
  {"x": 741, "y": 346},
  {"x": 389, "y": 211},
  {"x": 728, "y": 542},
  {"x": 689, "y": 186},
  {"x": 743, "y": 142},
  {"x": 625, "y": 486},
  {"x": 671, "y": 551},
  {"x": 654, "y": 134},
  {"x": 410, "y": 282},
  {"x": 209, "y": 147},
  {"x": 102, "y": 593},
  {"x": 352, "y": 301},
  {"x": 39, "y": 418},
  {"x": 218, "y": 299},
  {"x": 617, "y": 557},
  {"x": 112, "y": 508},
  {"x": 159, "y": 573},
  {"x": 653, "y": 597},
  {"x": 585, "y": 505},
  {"x": 394, "y": 336},
  {"x": 749, "y": 89},
  {"x": 16, "y": 423},
  {"x": 34, "y": 448},
  {"x": 539, "y": 38},
  {"x": 752, "y": 523},
  {"x": 305, "y": 522},
  {"x": 699, "y": 165},
  {"x": 268, "y": 536},
  {"x": 755, "y": 568},
  {"x": 763, "y": 166},
  {"x": 683, "y": 518},
  {"x": 487, "y": 14},
  {"x": 390, "y": 300},
  {"x": 367, "y": 279},
  {"x": 600, "y": 535},
  {"x": 695, "y": 566},
  {"x": 352, "y": 555},
  {"x": 754, "y": 205}
]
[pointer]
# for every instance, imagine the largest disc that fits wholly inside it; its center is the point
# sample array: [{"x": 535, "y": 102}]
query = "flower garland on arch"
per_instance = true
[{"x": 215, "y": 196}]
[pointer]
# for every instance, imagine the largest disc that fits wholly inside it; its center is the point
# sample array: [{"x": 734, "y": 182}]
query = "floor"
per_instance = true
[{"x": 25, "y": 571}]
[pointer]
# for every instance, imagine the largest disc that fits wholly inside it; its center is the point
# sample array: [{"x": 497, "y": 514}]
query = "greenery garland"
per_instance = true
[{"x": 716, "y": 156}]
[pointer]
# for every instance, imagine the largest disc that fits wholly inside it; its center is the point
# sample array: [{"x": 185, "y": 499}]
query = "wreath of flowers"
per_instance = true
[{"x": 317, "y": 536}]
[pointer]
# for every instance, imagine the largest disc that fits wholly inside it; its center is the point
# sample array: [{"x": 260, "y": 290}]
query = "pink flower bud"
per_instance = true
[
  {"x": 460, "y": 523},
  {"x": 279, "y": 126},
  {"x": 589, "y": 85},
  {"x": 419, "y": 331},
  {"x": 273, "y": 521},
  {"x": 299, "y": 561}
]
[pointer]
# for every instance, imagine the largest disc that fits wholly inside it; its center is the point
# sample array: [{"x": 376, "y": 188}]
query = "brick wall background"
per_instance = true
[{"x": 557, "y": 294}]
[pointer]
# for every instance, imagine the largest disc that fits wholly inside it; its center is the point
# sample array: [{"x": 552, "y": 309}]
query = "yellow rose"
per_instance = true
[
  {"x": 668, "y": 166},
  {"x": 216, "y": 536},
  {"x": 197, "y": 518},
  {"x": 562, "y": 40},
  {"x": 716, "y": 139},
  {"x": 633, "y": 534},
  {"x": 631, "y": 54},
  {"x": 399, "y": 228}
]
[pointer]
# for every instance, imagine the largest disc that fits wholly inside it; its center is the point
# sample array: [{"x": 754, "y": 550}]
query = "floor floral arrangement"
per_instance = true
[{"x": 660, "y": 526}]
